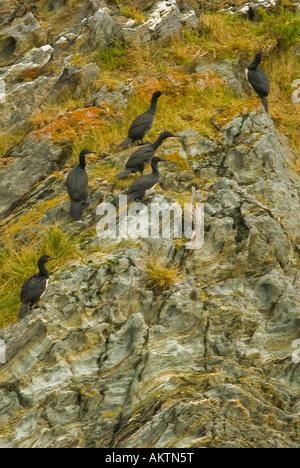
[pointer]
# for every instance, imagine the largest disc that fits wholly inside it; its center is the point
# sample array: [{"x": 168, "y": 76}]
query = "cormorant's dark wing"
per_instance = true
[
  {"x": 141, "y": 125},
  {"x": 259, "y": 82},
  {"x": 33, "y": 289},
  {"x": 142, "y": 184},
  {"x": 141, "y": 156},
  {"x": 77, "y": 184}
]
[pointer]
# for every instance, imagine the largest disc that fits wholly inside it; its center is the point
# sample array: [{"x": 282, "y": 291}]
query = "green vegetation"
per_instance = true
[
  {"x": 284, "y": 28},
  {"x": 113, "y": 58}
]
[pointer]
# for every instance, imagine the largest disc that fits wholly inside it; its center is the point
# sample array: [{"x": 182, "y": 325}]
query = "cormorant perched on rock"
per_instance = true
[
  {"x": 145, "y": 184},
  {"x": 142, "y": 124},
  {"x": 258, "y": 80},
  {"x": 140, "y": 158},
  {"x": 77, "y": 186},
  {"x": 34, "y": 288}
]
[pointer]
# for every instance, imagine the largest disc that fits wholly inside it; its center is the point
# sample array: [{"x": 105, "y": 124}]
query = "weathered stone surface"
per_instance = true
[
  {"x": 225, "y": 69},
  {"x": 117, "y": 99},
  {"x": 207, "y": 363},
  {"x": 102, "y": 30},
  {"x": 27, "y": 67},
  {"x": 75, "y": 80},
  {"x": 35, "y": 159},
  {"x": 164, "y": 20},
  {"x": 21, "y": 101},
  {"x": 20, "y": 37}
]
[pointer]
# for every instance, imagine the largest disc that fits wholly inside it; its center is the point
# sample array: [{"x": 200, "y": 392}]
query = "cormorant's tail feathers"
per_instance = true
[
  {"x": 124, "y": 173},
  {"x": 265, "y": 104},
  {"x": 23, "y": 311},
  {"x": 76, "y": 210},
  {"x": 125, "y": 143}
]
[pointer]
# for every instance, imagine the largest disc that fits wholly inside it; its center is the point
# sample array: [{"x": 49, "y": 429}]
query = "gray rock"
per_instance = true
[
  {"x": 75, "y": 80},
  {"x": 36, "y": 60},
  {"x": 164, "y": 20},
  {"x": 21, "y": 101},
  {"x": 102, "y": 30},
  {"x": 25, "y": 34},
  {"x": 35, "y": 159},
  {"x": 207, "y": 362},
  {"x": 117, "y": 99},
  {"x": 9, "y": 405},
  {"x": 226, "y": 70}
]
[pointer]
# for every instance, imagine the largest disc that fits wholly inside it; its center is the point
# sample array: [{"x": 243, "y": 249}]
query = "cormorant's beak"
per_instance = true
[{"x": 52, "y": 258}]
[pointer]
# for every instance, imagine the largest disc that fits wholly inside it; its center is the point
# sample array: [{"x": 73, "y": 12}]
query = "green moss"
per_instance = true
[{"x": 113, "y": 58}]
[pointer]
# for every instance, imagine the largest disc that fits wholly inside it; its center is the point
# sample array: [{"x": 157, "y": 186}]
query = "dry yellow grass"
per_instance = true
[
  {"x": 283, "y": 69},
  {"x": 160, "y": 276}
]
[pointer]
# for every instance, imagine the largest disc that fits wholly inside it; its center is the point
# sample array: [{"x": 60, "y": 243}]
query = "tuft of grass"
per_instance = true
[
  {"x": 160, "y": 276},
  {"x": 130, "y": 11},
  {"x": 57, "y": 243},
  {"x": 9, "y": 140}
]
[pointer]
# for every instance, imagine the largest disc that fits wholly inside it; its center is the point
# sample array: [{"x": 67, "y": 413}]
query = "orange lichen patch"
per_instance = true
[
  {"x": 4, "y": 162},
  {"x": 72, "y": 123},
  {"x": 147, "y": 87},
  {"x": 30, "y": 74}
]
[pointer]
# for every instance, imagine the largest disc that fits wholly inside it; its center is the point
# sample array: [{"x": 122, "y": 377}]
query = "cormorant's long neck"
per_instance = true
[
  {"x": 255, "y": 63},
  {"x": 43, "y": 270},
  {"x": 82, "y": 162},
  {"x": 153, "y": 104},
  {"x": 154, "y": 168},
  {"x": 159, "y": 141}
]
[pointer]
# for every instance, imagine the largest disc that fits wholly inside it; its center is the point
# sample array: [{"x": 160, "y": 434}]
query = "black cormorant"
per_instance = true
[
  {"x": 142, "y": 124},
  {"x": 258, "y": 80},
  {"x": 77, "y": 186},
  {"x": 34, "y": 288},
  {"x": 140, "y": 158},
  {"x": 145, "y": 184}
]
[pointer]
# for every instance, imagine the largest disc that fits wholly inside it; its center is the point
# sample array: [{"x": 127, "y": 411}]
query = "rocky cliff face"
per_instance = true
[{"x": 210, "y": 361}]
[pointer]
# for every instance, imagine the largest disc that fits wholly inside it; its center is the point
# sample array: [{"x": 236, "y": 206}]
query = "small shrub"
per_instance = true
[
  {"x": 284, "y": 27},
  {"x": 132, "y": 12},
  {"x": 113, "y": 58},
  {"x": 160, "y": 277}
]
